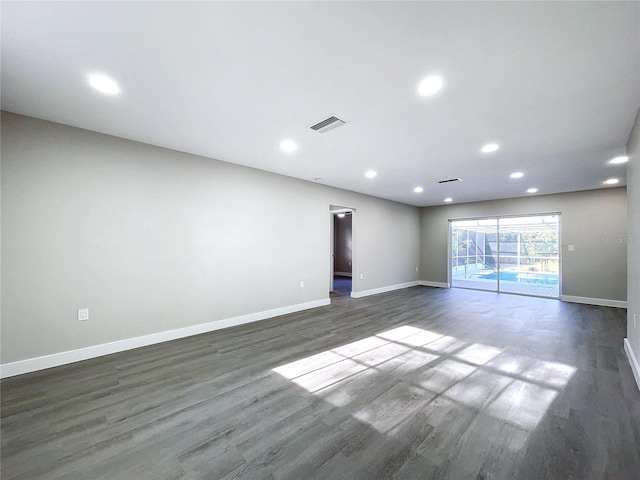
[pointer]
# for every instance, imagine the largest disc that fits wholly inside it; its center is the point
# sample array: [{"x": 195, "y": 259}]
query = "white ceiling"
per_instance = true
[{"x": 556, "y": 84}]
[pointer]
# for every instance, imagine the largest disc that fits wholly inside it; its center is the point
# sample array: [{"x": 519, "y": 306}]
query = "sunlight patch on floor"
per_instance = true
[
  {"x": 515, "y": 389},
  {"x": 478, "y": 354}
]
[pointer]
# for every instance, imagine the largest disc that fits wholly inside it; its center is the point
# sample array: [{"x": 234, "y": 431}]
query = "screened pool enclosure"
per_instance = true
[{"x": 507, "y": 254}]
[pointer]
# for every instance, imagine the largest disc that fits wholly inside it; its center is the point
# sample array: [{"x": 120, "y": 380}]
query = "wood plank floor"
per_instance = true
[{"x": 420, "y": 383}]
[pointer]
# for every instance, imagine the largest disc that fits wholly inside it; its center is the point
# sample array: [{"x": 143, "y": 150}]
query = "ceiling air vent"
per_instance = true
[
  {"x": 327, "y": 124},
  {"x": 450, "y": 180}
]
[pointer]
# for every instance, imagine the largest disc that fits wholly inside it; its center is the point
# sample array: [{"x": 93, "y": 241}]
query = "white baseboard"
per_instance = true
[
  {"x": 389, "y": 288},
  {"x": 633, "y": 361},
  {"x": 343, "y": 274},
  {"x": 604, "y": 302},
  {"x": 63, "y": 358},
  {"x": 426, "y": 283}
]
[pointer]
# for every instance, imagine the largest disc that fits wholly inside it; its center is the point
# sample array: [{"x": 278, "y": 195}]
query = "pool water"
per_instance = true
[{"x": 524, "y": 277}]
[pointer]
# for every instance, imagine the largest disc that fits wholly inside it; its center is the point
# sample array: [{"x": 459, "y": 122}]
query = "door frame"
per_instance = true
[{"x": 333, "y": 211}]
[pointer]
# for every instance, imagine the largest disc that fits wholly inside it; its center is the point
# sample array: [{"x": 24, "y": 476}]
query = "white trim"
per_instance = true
[
  {"x": 62, "y": 358},
  {"x": 604, "y": 302},
  {"x": 426, "y": 283},
  {"x": 633, "y": 361},
  {"x": 343, "y": 274},
  {"x": 341, "y": 210},
  {"x": 388, "y": 288}
]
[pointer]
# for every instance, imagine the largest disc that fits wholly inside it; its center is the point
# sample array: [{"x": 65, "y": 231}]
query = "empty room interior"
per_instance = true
[{"x": 286, "y": 240}]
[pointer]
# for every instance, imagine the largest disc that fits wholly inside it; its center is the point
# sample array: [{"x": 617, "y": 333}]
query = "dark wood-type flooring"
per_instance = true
[{"x": 420, "y": 383}]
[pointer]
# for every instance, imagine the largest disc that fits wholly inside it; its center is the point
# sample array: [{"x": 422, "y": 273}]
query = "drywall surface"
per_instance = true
[
  {"x": 594, "y": 221},
  {"x": 152, "y": 240},
  {"x": 633, "y": 242}
]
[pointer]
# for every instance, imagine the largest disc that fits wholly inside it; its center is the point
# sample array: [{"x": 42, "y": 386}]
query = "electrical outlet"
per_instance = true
[
  {"x": 83, "y": 314},
  {"x": 301, "y": 283},
  {"x": 571, "y": 248}
]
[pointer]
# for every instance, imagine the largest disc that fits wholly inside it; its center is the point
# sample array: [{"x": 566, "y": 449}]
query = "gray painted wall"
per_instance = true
[
  {"x": 633, "y": 243},
  {"x": 594, "y": 221},
  {"x": 151, "y": 239},
  {"x": 343, "y": 260}
]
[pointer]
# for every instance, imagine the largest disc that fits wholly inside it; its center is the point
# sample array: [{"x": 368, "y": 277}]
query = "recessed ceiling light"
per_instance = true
[
  {"x": 288, "y": 146},
  {"x": 371, "y": 174},
  {"x": 517, "y": 175},
  {"x": 418, "y": 189},
  {"x": 611, "y": 181},
  {"x": 532, "y": 190},
  {"x": 430, "y": 85},
  {"x": 490, "y": 147},
  {"x": 103, "y": 84},
  {"x": 618, "y": 160},
  {"x": 448, "y": 199}
]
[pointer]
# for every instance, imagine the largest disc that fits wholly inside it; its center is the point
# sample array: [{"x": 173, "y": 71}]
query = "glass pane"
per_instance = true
[
  {"x": 529, "y": 260},
  {"x": 473, "y": 254}
]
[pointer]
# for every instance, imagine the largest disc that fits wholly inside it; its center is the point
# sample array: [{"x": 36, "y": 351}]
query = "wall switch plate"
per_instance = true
[
  {"x": 83, "y": 314},
  {"x": 301, "y": 283},
  {"x": 416, "y": 269},
  {"x": 634, "y": 320},
  {"x": 571, "y": 248},
  {"x": 362, "y": 276}
]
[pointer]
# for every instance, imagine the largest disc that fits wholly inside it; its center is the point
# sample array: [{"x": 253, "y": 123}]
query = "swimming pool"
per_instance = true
[{"x": 524, "y": 277}]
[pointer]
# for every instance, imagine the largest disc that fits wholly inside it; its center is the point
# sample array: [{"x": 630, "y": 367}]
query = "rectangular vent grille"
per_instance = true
[
  {"x": 327, "y": 124},
  {"x": 451, "y": 180}
]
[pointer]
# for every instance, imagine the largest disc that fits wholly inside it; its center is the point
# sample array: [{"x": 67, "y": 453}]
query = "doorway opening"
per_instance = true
[
  {"x": 507, "y": 254},
  {"x": 341, "y": 251}
]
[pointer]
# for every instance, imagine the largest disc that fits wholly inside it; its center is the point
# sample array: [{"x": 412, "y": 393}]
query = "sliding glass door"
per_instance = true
[
  {"x": 507, "y": 254},
  {"x": 474, "y": 253}
]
